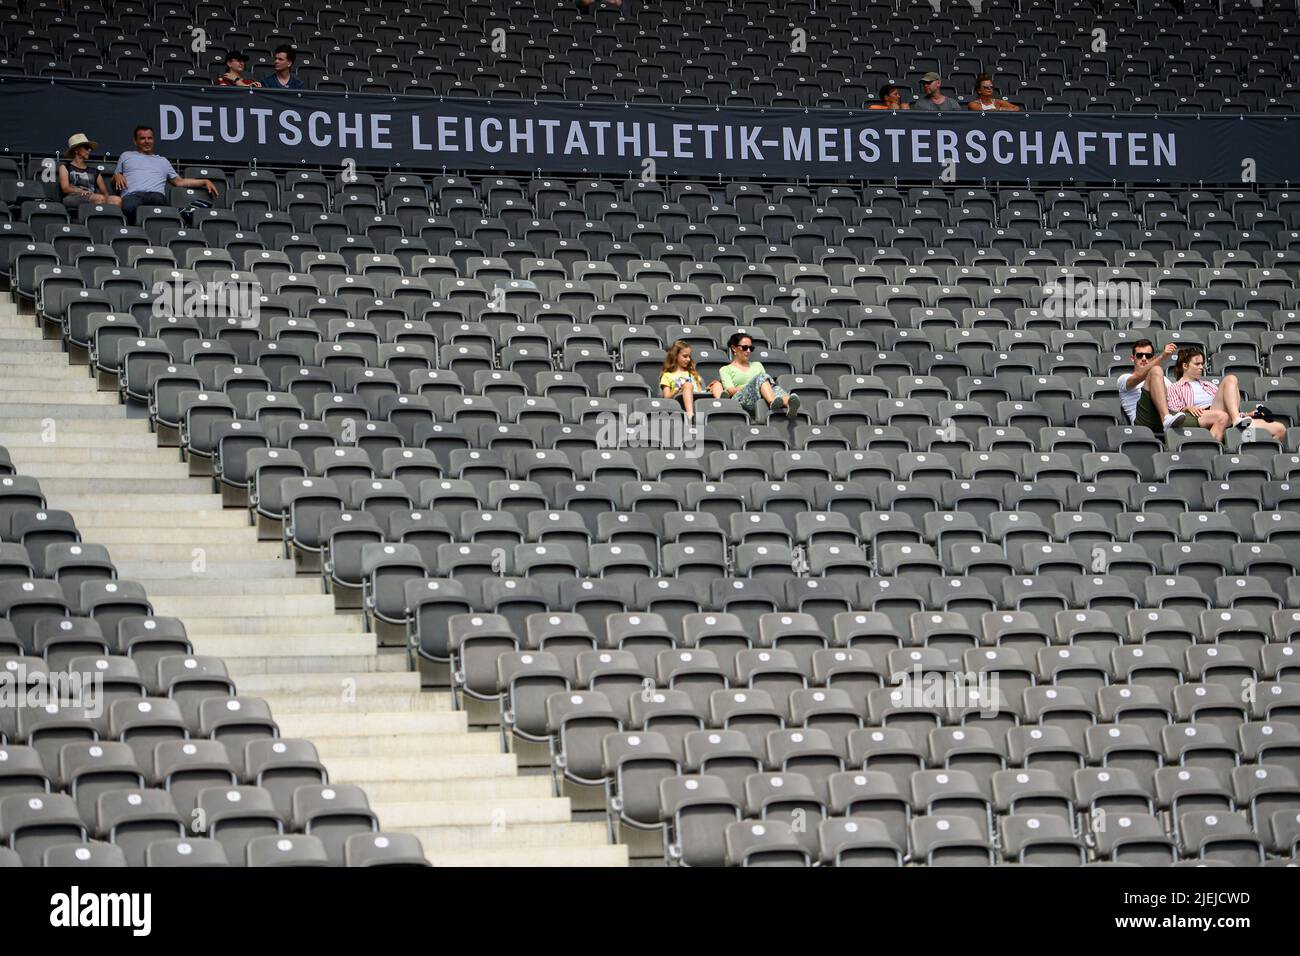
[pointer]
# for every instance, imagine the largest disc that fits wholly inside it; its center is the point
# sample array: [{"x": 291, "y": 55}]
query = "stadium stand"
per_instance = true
[
  {"x": 369, "y": 562},
  {"x": 189, "y": 608},
  {"x": 1044, "y": 55}
]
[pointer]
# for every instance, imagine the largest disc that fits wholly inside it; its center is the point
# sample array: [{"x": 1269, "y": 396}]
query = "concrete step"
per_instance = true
[
  {"x": 352, "y": 663},
  {"x": 402, "y": 686},
  {"x": 286, "y": 645},
  {"x": 360, "y": 769},
  {"x": 76, "y": 501},
  {"x": 241, "y": 668},
  {"x": 198, "y": 519},
  {"x": 10, "y": 334},
  {"x": 250, "y": 550},
  {"x": 499, "y": 813},
  {"x": 248, "y": 605},
  {"x": 67, "y": 396},
  {"x": 135, "y": 437},
  {"x": 155, "y": 473},
  {"x": 63, "y": 410},
  {"x": 414, "y": 747},
  {"x": 67, "y": 453},
  {"x": 15, "y": 422},
  {"x": 475, "y": 789},
  {"x": 55, "y": 379},
  {"x": 424, "y": 723},
  {"x": 224, "y": 572},
  {"x": 165, "y": 534},
  {"x": 145, "y": 491},
  {"x": 571, "y": 837},
  {"x": 135, "y": 471},
  {"x": 47, "y": 358},
  {"x": 261, "y": 625},
  {"x": 296, "y": 701},
  {"x": 543, "y": 856},
  {"x": 212, "y": 583},
  {"x": 33, "y": 345}
]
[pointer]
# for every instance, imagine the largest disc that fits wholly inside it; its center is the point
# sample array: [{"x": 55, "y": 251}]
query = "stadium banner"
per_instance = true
[{"x": 211, "y": 124}]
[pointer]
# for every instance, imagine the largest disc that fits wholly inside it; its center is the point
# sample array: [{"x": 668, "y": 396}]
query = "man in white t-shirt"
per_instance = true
[{"x": 1142, "y": 392}]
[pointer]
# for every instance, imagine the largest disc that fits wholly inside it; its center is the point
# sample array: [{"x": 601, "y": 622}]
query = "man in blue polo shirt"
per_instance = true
[
  {"x": 142, "y": 177},
  {"x": 281, "y": 77}
]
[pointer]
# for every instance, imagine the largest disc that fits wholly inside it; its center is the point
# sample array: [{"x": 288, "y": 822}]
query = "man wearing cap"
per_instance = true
[
  {"x": 79, "y": 183},
  {"x": 932, "y": 97},
  {"x": 142, "y": 176},
  {"x": 236, "y": 63}
]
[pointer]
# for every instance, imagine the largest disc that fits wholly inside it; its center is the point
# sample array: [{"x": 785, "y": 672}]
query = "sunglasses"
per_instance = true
[
  {"x": 1143, "y": 355},
  {"x": 746, "y": 348}
]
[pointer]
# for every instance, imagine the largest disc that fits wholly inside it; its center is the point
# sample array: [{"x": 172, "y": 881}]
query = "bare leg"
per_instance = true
[
  {"x": 716, "y": 390},
  {"x": 688, "y": 398},
  {"x": 1155, "y": 385},
  {"x": 1216, "y": 421},
  {"x": 1228, "y": 398},
  {"x": 1275, "y": 430},
  {"x": 766, "y": 391}
]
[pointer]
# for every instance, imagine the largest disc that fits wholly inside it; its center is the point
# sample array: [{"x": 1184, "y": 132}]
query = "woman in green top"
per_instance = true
[
  {"x": 680, "y": 379},
  {"x": 747, "y": 381}
]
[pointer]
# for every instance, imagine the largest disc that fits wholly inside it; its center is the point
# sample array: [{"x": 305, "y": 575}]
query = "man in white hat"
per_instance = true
[
  {"x": 79, "y": 183},
  {"x": 142, "y": 176}
]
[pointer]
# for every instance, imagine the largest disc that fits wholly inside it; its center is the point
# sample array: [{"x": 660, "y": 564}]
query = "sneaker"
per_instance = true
[
  {"x": 792, "y": 406},
  {"x": 1244, "y": 422},
  {"x": 1173, "y": 420}
]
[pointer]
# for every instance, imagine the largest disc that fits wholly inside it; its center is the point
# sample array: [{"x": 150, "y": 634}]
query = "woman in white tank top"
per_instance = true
[{"x": 985, "y": 101}]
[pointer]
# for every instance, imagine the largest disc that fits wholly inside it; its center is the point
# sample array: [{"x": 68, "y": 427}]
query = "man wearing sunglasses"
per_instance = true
[{"x": 1143, "y": 391}]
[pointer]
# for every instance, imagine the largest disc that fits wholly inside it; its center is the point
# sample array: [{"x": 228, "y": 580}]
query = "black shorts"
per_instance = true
[{"x": 1147, "y": 416}]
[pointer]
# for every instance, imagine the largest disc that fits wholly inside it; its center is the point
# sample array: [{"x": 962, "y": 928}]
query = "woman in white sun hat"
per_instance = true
[{"x": 79, "y": 183}]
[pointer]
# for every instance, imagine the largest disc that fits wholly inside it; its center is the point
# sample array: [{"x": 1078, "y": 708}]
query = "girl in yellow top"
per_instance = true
[{"x": 679, "y": 378}]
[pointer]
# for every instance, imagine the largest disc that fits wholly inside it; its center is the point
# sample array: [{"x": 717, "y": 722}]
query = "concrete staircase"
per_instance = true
[{"x": 322, "y": 673}]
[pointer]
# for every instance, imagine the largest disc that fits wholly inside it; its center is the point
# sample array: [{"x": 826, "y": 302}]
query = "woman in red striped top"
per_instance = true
[{"x": 1215, "y": 407}]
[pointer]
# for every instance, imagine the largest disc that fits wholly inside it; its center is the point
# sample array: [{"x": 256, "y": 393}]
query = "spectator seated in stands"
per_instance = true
[
  {"x": 236, "y": 63},
  {"x": 585, "y": 5},
  {"x": 79, "y": 183},
  {"x": 1143, "y": 392},
  {"x": 986, "y": 100},
  {"x": 1214, "y": 407},
  {"x": 679, "y": 378},
  {"x": 747, "y": 381},
  {"x": 142, "y": 176},
  {"x": 932, "y": 97},
  {"x": 891, "y": 98},
  {"x": 282, "y": 77}
]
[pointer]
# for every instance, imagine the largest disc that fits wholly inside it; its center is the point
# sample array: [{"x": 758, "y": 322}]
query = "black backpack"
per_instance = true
[{"x": 188, "y": 211}]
